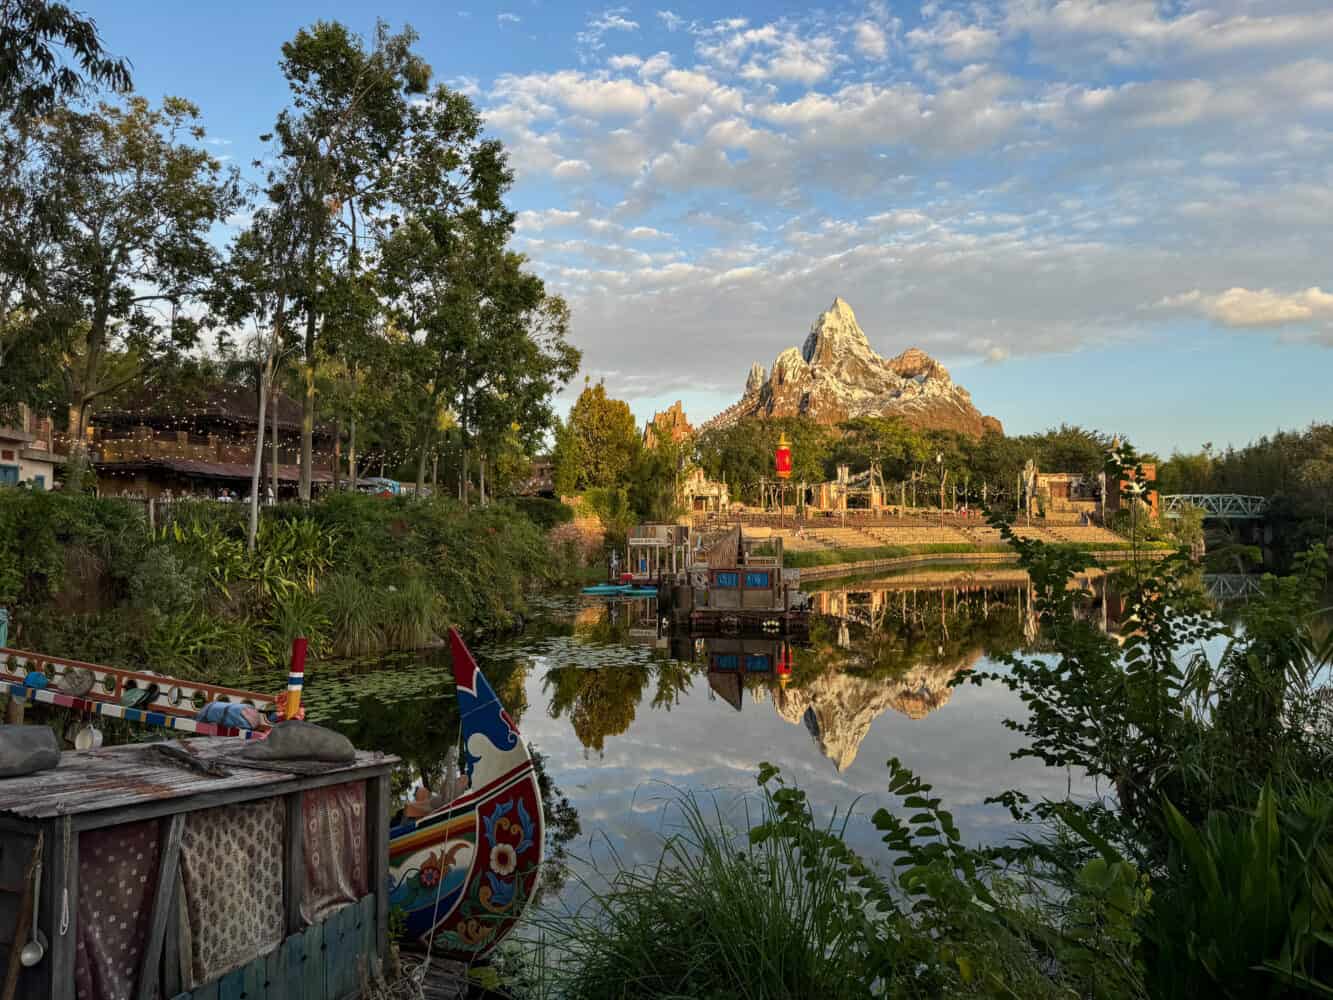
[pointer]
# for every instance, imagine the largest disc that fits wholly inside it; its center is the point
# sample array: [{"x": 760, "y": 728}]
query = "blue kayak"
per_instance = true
[{"x": 620, "y": 590}]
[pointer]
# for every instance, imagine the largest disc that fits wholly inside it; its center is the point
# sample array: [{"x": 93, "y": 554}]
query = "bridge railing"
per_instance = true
[{"x": 1234, "y": 506}]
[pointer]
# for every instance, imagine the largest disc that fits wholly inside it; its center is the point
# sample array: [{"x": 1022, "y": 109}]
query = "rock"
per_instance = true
[
  {"x": 27, "y": 749},
  {"x": 298, "y": 740},
  {"x": 668, "y": 425},
  {"x": 836, "y": 375}
]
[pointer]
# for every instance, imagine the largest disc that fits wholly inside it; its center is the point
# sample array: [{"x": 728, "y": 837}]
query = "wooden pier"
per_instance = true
[{"x": 193, "y": 869}]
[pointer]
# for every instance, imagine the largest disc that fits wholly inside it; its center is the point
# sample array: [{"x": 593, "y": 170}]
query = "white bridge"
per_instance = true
[
  {"x": 1232, "y": 586},
  {"x": 1233, "y": 506}
]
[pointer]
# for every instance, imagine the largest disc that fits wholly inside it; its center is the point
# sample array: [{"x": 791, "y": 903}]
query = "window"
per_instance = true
[
  {"x": 39, "y": 482},
  {"x": 753, "y": 580},
  {"x": 7, "y": 454},
  {"x": 726, "y": 661},
  {"x": 9, "y": 474},
  {"x": 758, "y": 662},
  {"x": 727, "y": 580}
]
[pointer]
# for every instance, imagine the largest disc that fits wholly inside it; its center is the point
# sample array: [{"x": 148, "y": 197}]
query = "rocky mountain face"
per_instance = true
[
  {"x": 670, "y": 424},
  {"x": 836, "y": 375},
  {"x": 837, "y": 709}
]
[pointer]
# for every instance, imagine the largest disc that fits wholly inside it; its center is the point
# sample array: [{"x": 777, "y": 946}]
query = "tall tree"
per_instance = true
[
  {"x": 339, "y": 144},
  {"x": 598, "y": 443},
  {"x": 50, "y": 54},
  {"x": 138, "y": 195}
]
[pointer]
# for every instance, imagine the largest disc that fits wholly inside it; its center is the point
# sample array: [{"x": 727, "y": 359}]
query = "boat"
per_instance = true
[
  {"x": 620, "y": 590},
  {"x": 171, "y": 703},
  {"x": 462, "y": 874}
]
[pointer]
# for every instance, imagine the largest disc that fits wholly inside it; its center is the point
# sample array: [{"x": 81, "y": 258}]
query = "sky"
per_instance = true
[{"x": 1112, "y": 214}]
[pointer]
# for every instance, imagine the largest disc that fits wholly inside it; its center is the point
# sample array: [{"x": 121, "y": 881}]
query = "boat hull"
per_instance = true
[{"x": 461, "y": 876}]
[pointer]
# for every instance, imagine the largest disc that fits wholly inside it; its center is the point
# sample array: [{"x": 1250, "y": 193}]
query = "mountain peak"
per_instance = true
[
  {"x": 837, "y": 375},
  {"x": 835, "y": 333}
]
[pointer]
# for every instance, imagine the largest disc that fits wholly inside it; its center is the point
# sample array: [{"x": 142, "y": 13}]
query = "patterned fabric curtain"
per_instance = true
[
  {"x": 334, "y": 822},
  {"x": 231, "y": 868},
  {"x": 117, "y": 879}
]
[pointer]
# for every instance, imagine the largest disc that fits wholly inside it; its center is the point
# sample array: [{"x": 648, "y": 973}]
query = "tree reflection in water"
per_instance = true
[{"x": 897, "y": 643}]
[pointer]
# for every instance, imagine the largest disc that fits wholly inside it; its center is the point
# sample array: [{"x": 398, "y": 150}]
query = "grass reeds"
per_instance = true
[{"x": 717, "y": 916}]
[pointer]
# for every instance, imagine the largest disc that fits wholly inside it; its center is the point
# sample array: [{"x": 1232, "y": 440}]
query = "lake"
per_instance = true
[{"x": 626, "y": 719}]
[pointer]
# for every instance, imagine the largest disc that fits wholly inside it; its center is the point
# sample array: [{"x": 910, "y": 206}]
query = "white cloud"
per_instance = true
[
  {"x": 567, "y": 169},
  {"x": 505, "y": 17},
  {"x": 670, "y": 20},
  {"x": 592, "y": 36},
  {"x": 871, "y": 41},
  {"x": 1263, "y": 307}
]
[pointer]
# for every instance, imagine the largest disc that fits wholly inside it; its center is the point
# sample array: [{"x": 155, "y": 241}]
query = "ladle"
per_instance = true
[{"x": 35, "y": 949}]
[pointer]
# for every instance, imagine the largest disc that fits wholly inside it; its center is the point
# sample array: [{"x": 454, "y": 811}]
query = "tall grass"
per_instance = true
[
  {"x": 355, "y": 614},
  {"x": 718, "y": 916}
]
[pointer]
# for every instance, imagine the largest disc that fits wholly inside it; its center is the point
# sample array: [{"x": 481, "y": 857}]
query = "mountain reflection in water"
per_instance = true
[{"x": 617, "y": 710}]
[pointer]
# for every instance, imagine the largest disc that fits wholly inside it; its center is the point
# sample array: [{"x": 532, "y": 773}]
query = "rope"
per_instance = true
[{"x": 64, "y": 892}]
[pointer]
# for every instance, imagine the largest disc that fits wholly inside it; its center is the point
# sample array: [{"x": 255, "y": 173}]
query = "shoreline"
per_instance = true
[{"x": 835, "y": 570}]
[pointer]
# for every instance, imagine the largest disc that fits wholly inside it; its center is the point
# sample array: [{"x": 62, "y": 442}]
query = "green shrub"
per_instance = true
[{"x": 544, "y": 513}]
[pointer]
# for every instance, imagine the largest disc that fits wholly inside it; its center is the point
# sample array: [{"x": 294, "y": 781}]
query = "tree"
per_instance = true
[
  {"x": 257, "y": 285},
  {"x": 138, "y": 196},
  {"x": 742, "y": 453},
  {"x": 35, "y": 314},
  {"x": 597, "y": 444},
  {"x": 338, "y": 146},
  {"x": 38, "y": 41}
]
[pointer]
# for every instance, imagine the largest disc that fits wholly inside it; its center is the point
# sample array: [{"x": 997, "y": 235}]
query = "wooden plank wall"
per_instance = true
[{"x": 324, "y": 962}]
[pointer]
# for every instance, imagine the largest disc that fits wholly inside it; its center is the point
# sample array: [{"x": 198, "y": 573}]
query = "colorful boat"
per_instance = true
[
  {"x": 462, "y": 874},
  {"x": 172, "y": 705}
]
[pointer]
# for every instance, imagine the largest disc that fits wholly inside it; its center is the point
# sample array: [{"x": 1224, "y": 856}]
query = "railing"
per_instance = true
[
  {"x": 1234, "y": 506},
  {"x": 1232, "y": 586}
]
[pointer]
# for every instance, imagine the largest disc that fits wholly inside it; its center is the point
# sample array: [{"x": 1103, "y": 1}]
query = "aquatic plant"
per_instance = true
[{"x": 355, "y": 614}]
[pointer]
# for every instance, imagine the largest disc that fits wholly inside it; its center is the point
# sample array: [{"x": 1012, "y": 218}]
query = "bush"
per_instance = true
[{"x": 545, "y": 514}]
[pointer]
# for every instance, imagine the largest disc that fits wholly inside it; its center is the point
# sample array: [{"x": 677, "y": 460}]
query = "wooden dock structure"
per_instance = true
[{"x": 192, "y": 820}]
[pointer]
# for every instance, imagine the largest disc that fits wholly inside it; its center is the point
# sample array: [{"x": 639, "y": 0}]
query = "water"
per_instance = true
[{"x": 625, "y": 720}]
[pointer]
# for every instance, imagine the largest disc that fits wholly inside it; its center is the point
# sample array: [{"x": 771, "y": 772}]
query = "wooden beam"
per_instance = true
[
  {"x": 377, "y": 843},
  {"x": 164, "y": 899},
  {"x": 293, "y": 881},
  {"x": 23, "y": 924},
  {"x": 63, "y": 869},
  {"x": 172, "y": 975}
]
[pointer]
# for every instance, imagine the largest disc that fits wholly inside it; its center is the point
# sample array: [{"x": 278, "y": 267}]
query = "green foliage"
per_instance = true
[
  {"x": 597, "y": 445},
  {"x": 1246, "y": 909},
  {"x": 355, "y": 574},
  {"x": 544, "y": 513},
  {"x": 41, "y": 40},
  {"x": 612, "y": 506},
  {"x": 742, "y": 453}
]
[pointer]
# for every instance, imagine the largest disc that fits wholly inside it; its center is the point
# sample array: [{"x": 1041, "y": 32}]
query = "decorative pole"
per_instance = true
[
  {"x": 782, "y": 460},
  {"x": 296, "y": 679}
]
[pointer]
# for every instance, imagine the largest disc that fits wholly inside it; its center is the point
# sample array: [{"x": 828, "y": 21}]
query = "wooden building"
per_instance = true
[
  {"x": 158, "y": 879},
  {"x": 203, "y": 447}
]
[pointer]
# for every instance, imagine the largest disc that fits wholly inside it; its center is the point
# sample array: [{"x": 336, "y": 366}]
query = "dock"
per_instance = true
[{"x": 230, "y": 878}]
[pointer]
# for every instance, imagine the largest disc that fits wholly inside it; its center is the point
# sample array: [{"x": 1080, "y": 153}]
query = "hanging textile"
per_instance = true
[
  {"x": 231, "y": 869},
  {"x": 117, "y": 879},
  {"x": 334, "y": 844}
]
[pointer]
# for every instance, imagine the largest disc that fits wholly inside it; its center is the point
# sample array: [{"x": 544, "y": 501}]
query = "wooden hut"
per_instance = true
[{"x": 201, "y": 878}]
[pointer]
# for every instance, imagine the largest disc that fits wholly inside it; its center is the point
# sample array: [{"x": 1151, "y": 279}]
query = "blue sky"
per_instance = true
[{"x": 1115, "y": 214}]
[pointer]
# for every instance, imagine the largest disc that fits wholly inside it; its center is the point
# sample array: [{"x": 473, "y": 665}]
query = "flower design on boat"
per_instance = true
[
  {"x": 504, "y": 859},
  {"x": 431, "y": 870}
]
